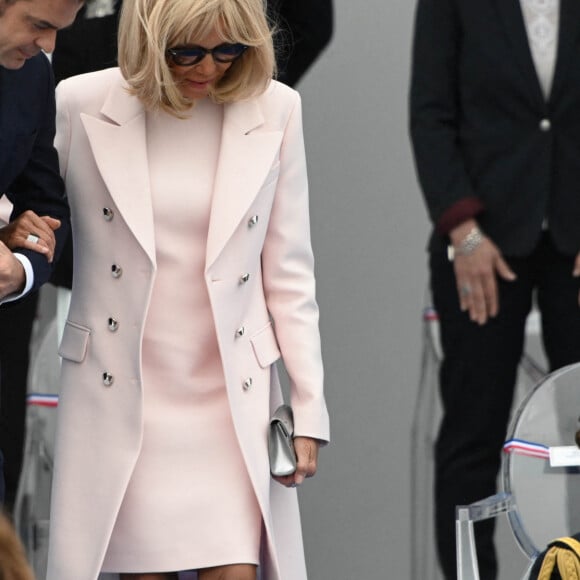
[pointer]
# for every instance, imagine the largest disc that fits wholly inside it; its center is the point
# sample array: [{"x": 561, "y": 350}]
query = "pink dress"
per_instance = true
[{"x": 190, "y": 503}]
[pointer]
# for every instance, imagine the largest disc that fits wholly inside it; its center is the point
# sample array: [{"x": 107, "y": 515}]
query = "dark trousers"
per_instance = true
[
  {"x": 15, "y": 330},
  {"x": 477, "y": 379}
]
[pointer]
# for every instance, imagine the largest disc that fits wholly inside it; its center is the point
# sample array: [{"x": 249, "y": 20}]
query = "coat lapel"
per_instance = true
[
  {"x": 119, "y": 146},
  {"x": 568, "y": 37},
  {"x": 510, "y": 15},
  {"x": 246, "y": 156}
]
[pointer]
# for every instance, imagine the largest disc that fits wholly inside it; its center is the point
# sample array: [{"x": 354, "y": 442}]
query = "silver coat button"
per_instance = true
[
  {"x": 248, "y": 383},
  {"x": 108, "y": 379},
  {"x": 116, "y": 271},
  {"x": 113, "y": 324},
  {"x": 545, "y": 125},
  {"x": 108, "y": 213},
  {"x": 244, "y": 278},
  {"x": 240, "y": 331},
  {"x": 253, "y": 221}
]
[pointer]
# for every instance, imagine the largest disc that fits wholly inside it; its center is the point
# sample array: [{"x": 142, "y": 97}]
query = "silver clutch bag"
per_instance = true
[{"x": 280, "y": 442}]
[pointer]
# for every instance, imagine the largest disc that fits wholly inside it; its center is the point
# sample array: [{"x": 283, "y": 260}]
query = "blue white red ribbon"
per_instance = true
[
  {"x": 42, "y": 400},
  {"x": 521, "y": 447},
  {"x": 429, "y": 313}
]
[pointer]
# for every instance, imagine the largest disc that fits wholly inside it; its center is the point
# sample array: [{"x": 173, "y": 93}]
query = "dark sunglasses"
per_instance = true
[{"x": 191, "y": 55}]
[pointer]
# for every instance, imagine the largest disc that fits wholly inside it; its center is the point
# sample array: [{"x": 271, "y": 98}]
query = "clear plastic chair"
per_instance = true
[
  {"x": 32, "y": 506},
  {"x": 540, "y": 473},
  {"x": 33, "y": 495},
  {"x": 426, "y": 418},
  {"x": 425, "y": 421}
]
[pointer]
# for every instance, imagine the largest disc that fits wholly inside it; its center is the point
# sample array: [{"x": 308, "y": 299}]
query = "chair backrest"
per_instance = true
[
  {"x": 541, "y": 463},
  {"x": 426, "y": 418}
]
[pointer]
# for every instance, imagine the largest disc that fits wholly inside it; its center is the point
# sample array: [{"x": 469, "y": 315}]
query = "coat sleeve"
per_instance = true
[
  {"x": 39, "y": 186},
  {"x": 289, "y": 284},
  {"x": 434, "y": 107},
  {"x": 63, "y": 128}
]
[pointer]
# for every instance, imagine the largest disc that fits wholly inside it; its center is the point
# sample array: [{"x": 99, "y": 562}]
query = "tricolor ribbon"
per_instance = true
[
  {"x": 521, "y": 447},
  {"x": 429, "y": 313},
  {"x": 42, "y": 400}
]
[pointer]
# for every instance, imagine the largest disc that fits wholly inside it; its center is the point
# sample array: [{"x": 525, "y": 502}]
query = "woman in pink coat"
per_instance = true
[{"x": 193, "y": 275}]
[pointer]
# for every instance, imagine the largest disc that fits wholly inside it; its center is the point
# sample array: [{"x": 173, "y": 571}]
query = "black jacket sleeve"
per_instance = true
[
  {"x": 435, "y": 107},
  {"x": 36, "y": 184}
]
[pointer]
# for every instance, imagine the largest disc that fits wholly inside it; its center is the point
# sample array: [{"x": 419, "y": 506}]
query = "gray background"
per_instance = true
[{"x": 369, "y": 233}]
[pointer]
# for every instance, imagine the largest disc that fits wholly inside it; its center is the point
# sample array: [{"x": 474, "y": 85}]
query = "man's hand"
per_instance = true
[
  {"x": 12, "y": 276},
  {"x": 23, "y": 231}
]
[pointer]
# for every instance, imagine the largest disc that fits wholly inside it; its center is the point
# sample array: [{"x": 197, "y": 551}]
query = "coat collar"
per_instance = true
[
  {"x": 119, "y": 144},
  {"x": 247, "y": 153}
]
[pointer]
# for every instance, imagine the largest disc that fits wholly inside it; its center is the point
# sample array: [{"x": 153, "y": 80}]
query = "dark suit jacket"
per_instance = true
[
  {"x": 481, "y": 127},
  {"x": 305, "y": 28},
  {"x": 29, "y": 173},
  {"x": 89, "y": 45}
]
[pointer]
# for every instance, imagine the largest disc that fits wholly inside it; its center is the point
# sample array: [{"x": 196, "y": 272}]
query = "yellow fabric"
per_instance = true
[
  {"x": 548, "y": 564},
  {"x": 567, "y": 560},
  {"x": 572, "y": 543}
]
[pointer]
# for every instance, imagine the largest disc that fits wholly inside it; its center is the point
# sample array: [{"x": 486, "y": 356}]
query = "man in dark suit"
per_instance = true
[
  {"x": 495, "y": 126},
  {"x": 29, "y": 174}
]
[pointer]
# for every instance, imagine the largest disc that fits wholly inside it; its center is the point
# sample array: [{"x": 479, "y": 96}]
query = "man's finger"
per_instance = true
[{"x": 52, "y": 223}]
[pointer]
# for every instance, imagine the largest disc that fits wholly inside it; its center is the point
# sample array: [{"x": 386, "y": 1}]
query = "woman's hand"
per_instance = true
[
  {"x": 306, "y": 461},
  {"x": 476, "y": 274}
]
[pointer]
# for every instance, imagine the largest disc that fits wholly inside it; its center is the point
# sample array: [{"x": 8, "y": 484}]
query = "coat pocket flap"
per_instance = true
[
  {"x": 75, "y": 340},
  {"x": 265, "y": 346}
]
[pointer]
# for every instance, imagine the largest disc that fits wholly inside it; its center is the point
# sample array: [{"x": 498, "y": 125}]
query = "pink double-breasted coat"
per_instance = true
[{"x": 259, "y": 276}]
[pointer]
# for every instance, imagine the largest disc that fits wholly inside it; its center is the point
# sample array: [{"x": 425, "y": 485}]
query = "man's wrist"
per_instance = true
[{"x": 23, "y": 280}]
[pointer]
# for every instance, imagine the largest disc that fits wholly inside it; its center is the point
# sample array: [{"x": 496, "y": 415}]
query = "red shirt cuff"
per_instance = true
[{"x": 464, "y": 209}]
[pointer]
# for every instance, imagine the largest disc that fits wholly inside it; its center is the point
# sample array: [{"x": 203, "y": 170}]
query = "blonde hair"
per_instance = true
[{"x": 147, "y": 28}]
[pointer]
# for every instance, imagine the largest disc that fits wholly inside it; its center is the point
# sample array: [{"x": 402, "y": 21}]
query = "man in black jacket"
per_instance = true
[
  {"x": 495, "y": 126},
  {"x": 29, "y": 174}
]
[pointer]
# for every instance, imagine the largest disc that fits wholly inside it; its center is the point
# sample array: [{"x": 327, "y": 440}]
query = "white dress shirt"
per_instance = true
[{"x": 542, "y": 18}]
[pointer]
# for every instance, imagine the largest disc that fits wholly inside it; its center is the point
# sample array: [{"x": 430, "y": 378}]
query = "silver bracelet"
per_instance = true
[{"x": 467, "y": 245}]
